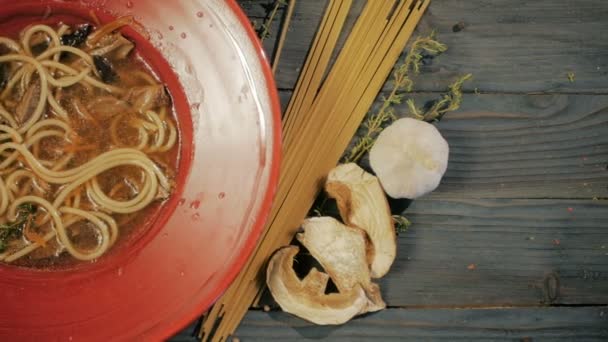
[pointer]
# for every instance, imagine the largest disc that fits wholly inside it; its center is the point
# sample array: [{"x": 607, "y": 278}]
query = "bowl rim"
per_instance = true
[{"x": 273, "y": 180}]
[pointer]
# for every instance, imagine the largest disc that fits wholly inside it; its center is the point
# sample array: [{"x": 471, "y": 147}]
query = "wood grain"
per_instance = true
[
  {"x": 520, "y": 324},
  {"x": 525, "y": 146},
  {"x": 508, "y": 324},
  {"x": 258, "y": 9},
  {"x": 511, "y": 324},
  {"x": 522, "y": 146},
  {"x": 509, "y": 45},
  {"x": 501, "y": 252},
  {"x": 476, "y": 253}
]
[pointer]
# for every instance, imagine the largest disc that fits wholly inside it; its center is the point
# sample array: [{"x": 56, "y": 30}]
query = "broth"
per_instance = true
[{"x": 123, "y": 120}]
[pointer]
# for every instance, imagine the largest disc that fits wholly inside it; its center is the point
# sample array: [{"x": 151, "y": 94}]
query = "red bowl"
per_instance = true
[{"x": 229, "y": 117}]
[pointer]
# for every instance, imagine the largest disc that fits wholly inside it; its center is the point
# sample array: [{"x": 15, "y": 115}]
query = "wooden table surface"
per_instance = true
[{"x": 514, "y": 243}]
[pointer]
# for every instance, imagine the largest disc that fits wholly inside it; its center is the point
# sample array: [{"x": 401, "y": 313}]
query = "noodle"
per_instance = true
[
  {"x": 43, "y": 87},
  {"x": 8, "y": 117},
  {"x": 52, "y": 175},
  {"x": 144, "y": 76},
  {"x": 11, "y": 133},
  {"x": 11, "y": 44},
  {"x": 3, "y": 197},
  {"x": 69, "y": 81},
  {"x": 172, "y": 138},
  {"x": 16, "y": 77},
  {"x": 25, "y": 41},
  {"x": 88, "y": 79}
]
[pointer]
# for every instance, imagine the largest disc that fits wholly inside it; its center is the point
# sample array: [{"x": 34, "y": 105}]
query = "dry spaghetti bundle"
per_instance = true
[{"x": 321, "y": 119}]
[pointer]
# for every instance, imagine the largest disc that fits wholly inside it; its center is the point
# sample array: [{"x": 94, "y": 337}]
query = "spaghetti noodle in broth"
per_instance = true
[{"x": 88, "y": 143}]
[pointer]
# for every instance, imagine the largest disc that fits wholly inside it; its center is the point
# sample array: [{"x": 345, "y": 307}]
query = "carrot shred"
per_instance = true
[
  {"x": 74, "y": 137},
  {"x": 140, "y": 28},
  {"x": 115, "y": 189},
  {"x": 39, "y": 220},
  {"x": 33, "y": 236},
  {"x": 43, "y": 184},
  {"x": 109, "y": 28}
]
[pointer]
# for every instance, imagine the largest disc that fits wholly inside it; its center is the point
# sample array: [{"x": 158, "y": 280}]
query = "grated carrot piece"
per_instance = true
[
  {"x": 109, "y": 28},
  {"x": 33, "y": 236}
]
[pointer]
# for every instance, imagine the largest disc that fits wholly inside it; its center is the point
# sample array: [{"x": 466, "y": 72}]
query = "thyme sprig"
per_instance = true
[
  {"x": 264, "y": 29},
  {"x": 570, "y": 76},
  {"x": 14, "y": 230},
  {"x": 438, "y": 108},
  {"x": 422, "y": 47},
  {"x": 402, "y": 224}
]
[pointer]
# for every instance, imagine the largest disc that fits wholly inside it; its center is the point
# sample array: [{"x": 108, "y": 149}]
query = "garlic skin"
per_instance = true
[{"x": 409, "y": 158}]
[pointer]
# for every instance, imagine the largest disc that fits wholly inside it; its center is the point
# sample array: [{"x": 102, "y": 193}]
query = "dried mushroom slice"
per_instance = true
[
  {"x": 362, "y": 204},
  {"x": 341, "y": 250},
  {"x": 306, "y": 298},
  {"x": 409, "y": 157}
]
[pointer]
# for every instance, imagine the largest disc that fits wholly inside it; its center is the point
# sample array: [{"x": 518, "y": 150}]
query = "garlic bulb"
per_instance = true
[{"x": 409, "y": 158}]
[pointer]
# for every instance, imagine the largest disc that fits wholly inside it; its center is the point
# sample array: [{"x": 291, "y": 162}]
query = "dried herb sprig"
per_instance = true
[
  {"x": 570, "y": 76},
  {"x": 438, "y": 108},
  {"x": 264, "y": 29},
  {"x": 402, "y": 224},
  {"x": 421, "y": 48},
  {"x": 14, "y": 229}
]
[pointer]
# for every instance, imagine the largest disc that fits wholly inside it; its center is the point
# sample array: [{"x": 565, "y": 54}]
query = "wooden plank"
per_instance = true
[
  {"x": 509, "y": 45},
  {"x": 522, "y": 146},
  {"x": 501, "y": 252},
  {"x": 305, "y": 21},
  {"x": 511, "y": 146},
  {"x": 398, "y": 324},
  {"x": 188, "y": 334},
  {"x": 258, "y": 9},
  {"x": 304, "y": 15},
  {"x": 525, "y": 146},
  {"x": 523, "y": 252},
  {"x": 521, "y": 46},
  {"x": 514, "y": 324},
  {"x": 488, "y": 253},
  {"x": 257, "y": 13},
  {"x": 523, "y": 324}
]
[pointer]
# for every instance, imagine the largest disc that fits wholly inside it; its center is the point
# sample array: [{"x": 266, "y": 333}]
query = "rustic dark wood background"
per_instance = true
[{"x": 514, "y": 243}]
